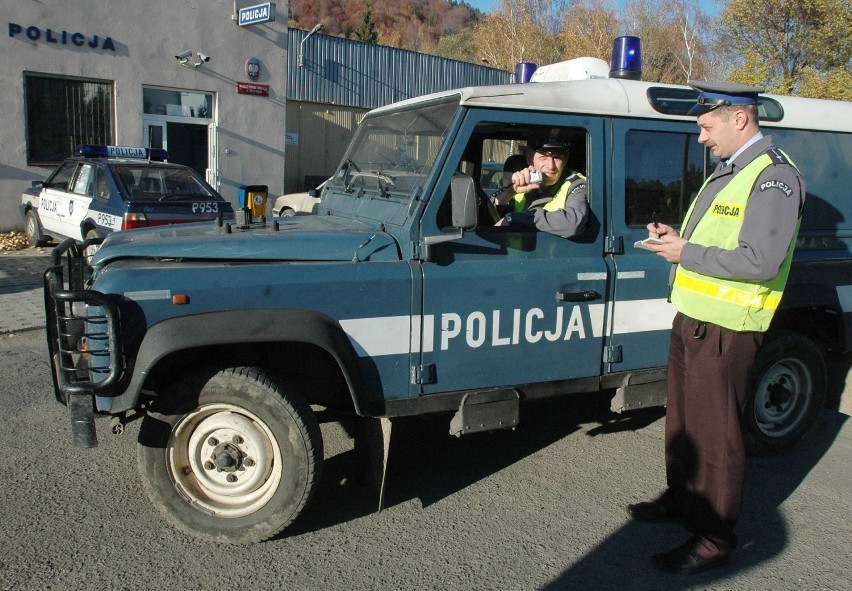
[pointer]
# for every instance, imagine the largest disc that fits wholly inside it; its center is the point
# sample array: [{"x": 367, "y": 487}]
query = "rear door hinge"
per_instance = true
[
  {"x": 614, "y": 245},
  {"x": 612, "y": 354},
  {"x": 424, "y": 374}
]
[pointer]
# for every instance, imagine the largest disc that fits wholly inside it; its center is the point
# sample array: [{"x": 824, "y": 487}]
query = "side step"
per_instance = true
[{"x": 486, "y": 411}]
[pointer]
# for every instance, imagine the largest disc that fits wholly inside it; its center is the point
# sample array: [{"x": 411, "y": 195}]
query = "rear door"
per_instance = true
[
  {"x": 657, "y": 169},
  {"x": 502, "y": 307},
  {"x": 78, "y": 199}
]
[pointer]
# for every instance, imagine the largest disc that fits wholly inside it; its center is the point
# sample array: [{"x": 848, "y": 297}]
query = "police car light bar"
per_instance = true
[
  {"x": 90, "y": 151},
  {"x": 626, "y": 58}
]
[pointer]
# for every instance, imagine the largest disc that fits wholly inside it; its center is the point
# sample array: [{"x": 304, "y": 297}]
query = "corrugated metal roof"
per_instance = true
[{"x": 351, "y": 73}]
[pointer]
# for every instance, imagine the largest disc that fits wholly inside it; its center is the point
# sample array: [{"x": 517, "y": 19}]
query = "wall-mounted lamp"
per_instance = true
[
  {"x": 316, "y": 29},
  {"x": 184, "y": 57}
]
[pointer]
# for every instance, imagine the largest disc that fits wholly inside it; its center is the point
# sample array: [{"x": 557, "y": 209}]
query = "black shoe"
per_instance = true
[
  {"x": 652, "y": 512},
  {"x": 683, "y": 560}
]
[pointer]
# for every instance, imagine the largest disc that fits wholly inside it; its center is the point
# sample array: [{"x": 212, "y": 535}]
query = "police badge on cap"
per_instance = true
[{"x": 722, "y": 94}]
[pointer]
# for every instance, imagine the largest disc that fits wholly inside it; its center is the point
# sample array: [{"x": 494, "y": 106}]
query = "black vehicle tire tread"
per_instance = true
[{"x": 264, "y": 397}]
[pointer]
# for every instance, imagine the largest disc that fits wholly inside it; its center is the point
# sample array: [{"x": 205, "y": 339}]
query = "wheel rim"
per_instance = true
[
  {"x": 224, "y": 460},
  {"x": 31, "y": 228},
  {"x": 782, "y": 397}
]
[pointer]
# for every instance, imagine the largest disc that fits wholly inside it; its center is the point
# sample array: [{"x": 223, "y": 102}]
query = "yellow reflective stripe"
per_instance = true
[{"x": 726, "y": 293}]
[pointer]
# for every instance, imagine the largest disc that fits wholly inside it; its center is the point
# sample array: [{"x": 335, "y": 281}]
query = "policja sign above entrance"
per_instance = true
[{"x": 259, "y": 13}]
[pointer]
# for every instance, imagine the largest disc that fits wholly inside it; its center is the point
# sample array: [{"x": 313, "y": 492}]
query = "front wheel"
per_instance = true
[
  {"x": 233, "y": 459},
  {"x": 32, "y": 228},
  {"x": 786, "y": 393}
]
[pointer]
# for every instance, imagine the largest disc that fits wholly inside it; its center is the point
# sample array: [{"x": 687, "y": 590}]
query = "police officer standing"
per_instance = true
[{"x": 731, "y": 264}]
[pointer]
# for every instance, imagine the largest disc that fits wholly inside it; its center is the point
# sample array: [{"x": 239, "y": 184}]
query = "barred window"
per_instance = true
[{"x": 64, "y": 112}]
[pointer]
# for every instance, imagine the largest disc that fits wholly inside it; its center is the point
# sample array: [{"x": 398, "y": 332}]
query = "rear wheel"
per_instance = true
[
  {"x": 286, "y": 213},
  {"x": 32, "y": 228},
  {"x": 234, "y": 458},
  {"x": 93, "y": 248},
  {"x": 787, "y": 391}
]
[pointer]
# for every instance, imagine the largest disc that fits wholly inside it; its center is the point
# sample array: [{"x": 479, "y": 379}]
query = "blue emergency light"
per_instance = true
[
  {"x": 92, "y": 151},
  {"x": 626, "y": 58}
]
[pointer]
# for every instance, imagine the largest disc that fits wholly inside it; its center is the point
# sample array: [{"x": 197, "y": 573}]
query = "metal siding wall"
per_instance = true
[{"x": 345, "y": 72}]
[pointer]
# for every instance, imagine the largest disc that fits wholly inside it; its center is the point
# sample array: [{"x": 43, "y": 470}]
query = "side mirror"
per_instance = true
[
  {"x": 464, "y": 202},
  {"x": 312, "y": 192},
  {"x": 463, "y": 216}
]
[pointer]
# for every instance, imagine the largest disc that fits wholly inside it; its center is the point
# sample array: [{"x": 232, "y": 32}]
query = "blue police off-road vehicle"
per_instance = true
[{"x": 400, "y": 297}]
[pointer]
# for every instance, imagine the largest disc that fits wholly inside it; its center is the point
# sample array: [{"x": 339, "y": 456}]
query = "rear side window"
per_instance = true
[{"x": 663, "y": 173}]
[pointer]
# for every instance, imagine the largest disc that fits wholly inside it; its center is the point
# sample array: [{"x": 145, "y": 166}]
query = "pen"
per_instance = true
[{"x": 654, "y": 219}]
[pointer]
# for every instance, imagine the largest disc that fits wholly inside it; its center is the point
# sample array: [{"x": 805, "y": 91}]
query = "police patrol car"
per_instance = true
[
  {"x": 401, "y": 297},
  {"x": 106, "y": 188}
]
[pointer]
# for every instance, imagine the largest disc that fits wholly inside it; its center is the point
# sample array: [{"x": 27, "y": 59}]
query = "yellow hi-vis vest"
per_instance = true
[
  {"x": 736, "y": 305},
  {"x": 557, "y": 202}
]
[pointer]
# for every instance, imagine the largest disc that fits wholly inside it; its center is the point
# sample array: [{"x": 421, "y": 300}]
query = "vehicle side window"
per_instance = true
[
  {"x": 61, "y": 177},
  {"x": 103, "y": 186},
  {"x": 825, "y": 160},
  {"x": 663, "y": 173},
  {"x": 84, "y": 183}
]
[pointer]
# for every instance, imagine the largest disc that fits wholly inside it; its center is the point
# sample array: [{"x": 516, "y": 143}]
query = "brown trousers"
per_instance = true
[{"x": 705, "y": 455}]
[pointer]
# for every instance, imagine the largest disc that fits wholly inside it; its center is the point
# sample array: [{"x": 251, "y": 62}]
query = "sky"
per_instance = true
[{"x": 711, "y": 7}]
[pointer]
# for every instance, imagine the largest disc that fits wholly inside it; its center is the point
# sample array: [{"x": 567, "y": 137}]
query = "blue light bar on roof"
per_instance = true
[
  {"x": 90, "y": 151},
  {"x": 626, "y": 58}
]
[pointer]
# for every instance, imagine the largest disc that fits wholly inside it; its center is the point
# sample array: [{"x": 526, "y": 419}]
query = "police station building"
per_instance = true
[
  {"x": 208, "y": 80},
  {"x": 184, "y": 75}
]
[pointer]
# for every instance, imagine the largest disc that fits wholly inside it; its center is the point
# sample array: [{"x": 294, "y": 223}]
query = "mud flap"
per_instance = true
[
  {"x": 372, "y": 448},
  {"x": 82, "y": 420}
]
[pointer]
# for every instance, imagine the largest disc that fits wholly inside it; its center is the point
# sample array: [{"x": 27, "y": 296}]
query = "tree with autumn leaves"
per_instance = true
[{"x": 786, "y": 46}]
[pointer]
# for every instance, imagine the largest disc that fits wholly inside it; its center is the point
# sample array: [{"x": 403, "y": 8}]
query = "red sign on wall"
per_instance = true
[{"x": 252, "y": 88}]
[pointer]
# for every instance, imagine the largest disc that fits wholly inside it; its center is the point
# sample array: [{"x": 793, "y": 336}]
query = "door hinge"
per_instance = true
[
  {"x": 614, "y": 245},
  {"x": 612, "y": 354},
  {"x": 423, "y": 374}
]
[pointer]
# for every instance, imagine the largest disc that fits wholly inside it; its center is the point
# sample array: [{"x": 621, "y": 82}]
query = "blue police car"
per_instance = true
[{"x": 106, "y": 188}]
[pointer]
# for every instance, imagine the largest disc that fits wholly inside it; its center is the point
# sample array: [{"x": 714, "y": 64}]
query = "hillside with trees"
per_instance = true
[
  {"x": 418, "y": 25},
  {"x": 799, "y": 47}
]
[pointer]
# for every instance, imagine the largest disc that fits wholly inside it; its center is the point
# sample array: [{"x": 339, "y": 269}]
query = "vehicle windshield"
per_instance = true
[
  {"x": 393, "y": 152},
  {"x": 163, "y": 183}
]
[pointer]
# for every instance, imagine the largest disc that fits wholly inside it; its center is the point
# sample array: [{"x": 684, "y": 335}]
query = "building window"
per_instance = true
[{"x": 62, "y": 113}]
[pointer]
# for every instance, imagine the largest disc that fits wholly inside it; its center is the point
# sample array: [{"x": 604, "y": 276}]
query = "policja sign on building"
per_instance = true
[{"x": 259, "y": 13}]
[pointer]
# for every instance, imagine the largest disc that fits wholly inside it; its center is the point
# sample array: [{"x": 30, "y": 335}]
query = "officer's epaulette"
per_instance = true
[{"x": 778, "y": 157}]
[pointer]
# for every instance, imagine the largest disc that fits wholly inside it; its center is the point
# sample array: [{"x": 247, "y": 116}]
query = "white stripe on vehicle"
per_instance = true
[{"x": 401, "y": 335}]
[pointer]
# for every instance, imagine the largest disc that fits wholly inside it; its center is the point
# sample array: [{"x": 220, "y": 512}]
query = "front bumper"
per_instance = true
[{"x": 83, "y": 339}]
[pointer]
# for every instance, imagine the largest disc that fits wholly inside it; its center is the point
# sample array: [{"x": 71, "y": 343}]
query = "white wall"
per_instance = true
[{"x": 147, "y": 35}]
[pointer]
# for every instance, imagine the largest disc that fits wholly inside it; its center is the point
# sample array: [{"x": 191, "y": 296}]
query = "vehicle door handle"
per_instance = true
[{"x": 577, "y": 296}]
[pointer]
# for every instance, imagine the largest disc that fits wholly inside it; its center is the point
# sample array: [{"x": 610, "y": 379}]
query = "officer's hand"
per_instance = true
[
  {"x": 660, "y": 230},
  {"x": 671, "y": 247},
  {"x": 521, "y": 180}
]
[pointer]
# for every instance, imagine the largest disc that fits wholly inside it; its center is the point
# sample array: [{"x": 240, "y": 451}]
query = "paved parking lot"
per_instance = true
[{"x": 21, "y": 299}]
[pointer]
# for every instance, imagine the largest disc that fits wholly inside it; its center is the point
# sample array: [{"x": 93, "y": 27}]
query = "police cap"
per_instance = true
[
  {"x": 721, "y": 94},
  {"x": 549, "y": 147}
]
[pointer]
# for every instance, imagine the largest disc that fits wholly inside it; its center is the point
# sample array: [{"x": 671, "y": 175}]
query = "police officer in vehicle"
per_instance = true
[
  {"x": 556, "y": 203},
  {"x": 730, "y": 266}
]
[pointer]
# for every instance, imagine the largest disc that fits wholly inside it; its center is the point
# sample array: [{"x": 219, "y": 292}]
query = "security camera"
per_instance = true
[
  {"x": 184, "y": 55},
  {"x": 203, "y": 57}
]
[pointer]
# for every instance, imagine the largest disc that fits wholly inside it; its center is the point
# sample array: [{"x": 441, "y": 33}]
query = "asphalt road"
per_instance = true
[{"x": 538, "y": 508}]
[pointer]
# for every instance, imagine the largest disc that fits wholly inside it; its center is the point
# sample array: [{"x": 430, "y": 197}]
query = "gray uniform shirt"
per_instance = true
[
  {"x": 770, "y": 221},
  {"x": 565, "y": 222}
]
